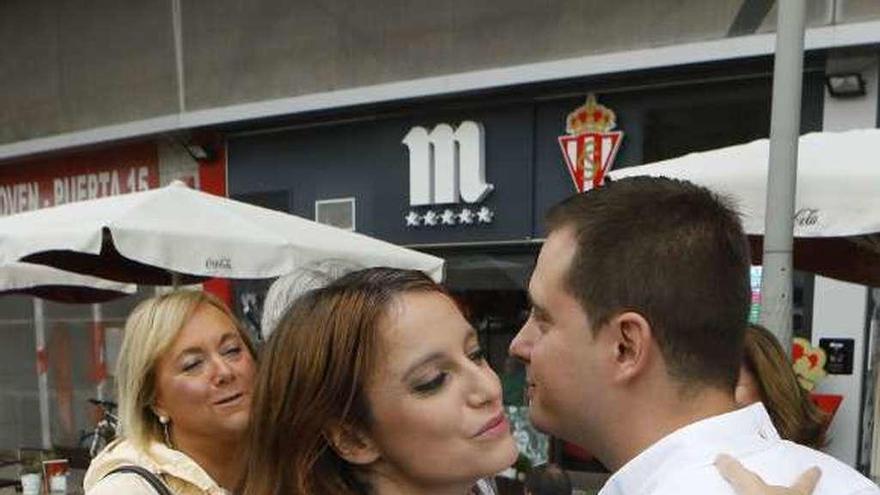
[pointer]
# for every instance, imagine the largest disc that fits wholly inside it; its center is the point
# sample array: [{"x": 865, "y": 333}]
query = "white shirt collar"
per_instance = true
[{"x": 696, "y": 444}]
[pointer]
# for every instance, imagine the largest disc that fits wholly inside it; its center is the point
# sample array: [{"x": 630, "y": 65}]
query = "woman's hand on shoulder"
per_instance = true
[{"x": 745, "y": 482}]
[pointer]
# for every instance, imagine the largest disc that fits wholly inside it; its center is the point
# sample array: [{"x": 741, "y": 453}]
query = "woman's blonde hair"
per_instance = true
[
  {"x": 149, "y": 331},
  {"x": 794, "y": 414}
]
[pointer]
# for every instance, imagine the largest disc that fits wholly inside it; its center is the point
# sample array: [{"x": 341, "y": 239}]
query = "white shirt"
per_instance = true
[{"x": 683, "y": 461}]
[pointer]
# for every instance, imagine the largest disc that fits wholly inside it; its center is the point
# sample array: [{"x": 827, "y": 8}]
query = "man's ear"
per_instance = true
[
  {"x": 353, "y": 446},
  {"x": 633, "y": 345}
]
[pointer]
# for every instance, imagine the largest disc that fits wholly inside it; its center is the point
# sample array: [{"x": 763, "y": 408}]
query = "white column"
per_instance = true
[
  {"x": 42, "y": 369},
  {"x": 839, "y": 309}
]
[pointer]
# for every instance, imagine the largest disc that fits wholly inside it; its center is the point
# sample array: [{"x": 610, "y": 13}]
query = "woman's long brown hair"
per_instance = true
[
  {"x": 794, "y": 414},
  {"x": 312, "y": 378}
]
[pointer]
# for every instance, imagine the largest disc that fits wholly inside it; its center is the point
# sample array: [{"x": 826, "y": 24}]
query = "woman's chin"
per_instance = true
[{"x": 503, "y": 455}]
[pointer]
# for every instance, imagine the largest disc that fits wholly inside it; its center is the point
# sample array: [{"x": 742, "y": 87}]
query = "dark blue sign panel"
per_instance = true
[{"x": 369, "y": 161}]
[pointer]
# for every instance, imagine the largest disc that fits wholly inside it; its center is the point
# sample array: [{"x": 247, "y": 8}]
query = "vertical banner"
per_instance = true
[{"x": 212, "y": 178}]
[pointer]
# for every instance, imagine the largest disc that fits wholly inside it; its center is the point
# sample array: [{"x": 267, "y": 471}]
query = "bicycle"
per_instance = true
[{"x": 105, "y": 429}]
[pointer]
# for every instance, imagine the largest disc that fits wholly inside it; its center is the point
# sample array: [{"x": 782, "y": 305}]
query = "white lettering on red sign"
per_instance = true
[
  {"x": 16, "y": 198},
  {"x": 26, "y": 196}
]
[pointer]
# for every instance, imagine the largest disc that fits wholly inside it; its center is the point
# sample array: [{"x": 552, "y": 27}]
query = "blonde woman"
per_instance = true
[{"x": 184, "y": 374}]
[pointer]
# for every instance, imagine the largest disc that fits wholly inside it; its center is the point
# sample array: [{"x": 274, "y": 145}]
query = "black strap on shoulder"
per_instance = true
[{"x": 157, "y": 484}]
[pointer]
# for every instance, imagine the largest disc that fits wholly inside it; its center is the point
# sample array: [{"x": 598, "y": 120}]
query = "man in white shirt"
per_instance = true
[{"x": 640, "y": 300}]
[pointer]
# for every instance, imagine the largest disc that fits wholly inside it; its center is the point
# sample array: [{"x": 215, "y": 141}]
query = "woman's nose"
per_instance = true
[
  {"x": 485, "y": 387},
  {"x": 223, "y": 371}
]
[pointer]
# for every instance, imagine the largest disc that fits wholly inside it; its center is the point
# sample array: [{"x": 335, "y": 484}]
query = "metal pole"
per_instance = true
[
  {"x": 42, "y": 372},
  {"x": 98, "y": 342},
  {"x": 776, "y": 282}
]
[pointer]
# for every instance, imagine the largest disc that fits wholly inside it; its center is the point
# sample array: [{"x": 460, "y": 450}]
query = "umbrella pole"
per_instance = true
[
  {"x": 175, "y": 280},
  {"x": 776, "y": 282},
  {"x": 42, "y": 371}
]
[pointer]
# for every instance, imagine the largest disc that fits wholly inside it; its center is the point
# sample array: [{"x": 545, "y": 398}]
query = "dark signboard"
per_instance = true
[{"x": 839, "y": 354}]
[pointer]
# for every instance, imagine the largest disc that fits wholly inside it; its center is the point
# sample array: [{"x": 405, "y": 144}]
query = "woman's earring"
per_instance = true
[{"x": 164, "y": 421}]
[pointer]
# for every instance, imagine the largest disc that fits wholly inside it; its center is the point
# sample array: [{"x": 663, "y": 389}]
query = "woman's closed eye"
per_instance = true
[
  {"x": 232, "y": 351},
  {"x": 477, "y": 355},
  {"x": 431, "y": 385},
  {"x": 191, "y": 365}
]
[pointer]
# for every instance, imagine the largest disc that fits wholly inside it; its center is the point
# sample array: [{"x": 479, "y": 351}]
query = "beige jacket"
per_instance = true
[{"x": 180, "y": 473}]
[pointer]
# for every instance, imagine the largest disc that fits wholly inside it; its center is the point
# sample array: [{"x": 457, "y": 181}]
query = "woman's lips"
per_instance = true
[
  {"x": 494, "y": 427},
  {"x": 229, "y": 400}
]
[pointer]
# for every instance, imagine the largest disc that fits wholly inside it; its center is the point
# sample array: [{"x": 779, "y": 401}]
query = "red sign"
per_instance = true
[
  {"x": 77, "y": 177},
  {"x": 591, "y": 145},
  {"x": 828, "y": 403}
]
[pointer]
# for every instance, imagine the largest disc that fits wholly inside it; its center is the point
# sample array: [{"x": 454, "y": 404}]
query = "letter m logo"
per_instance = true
[{"x": 447, "y": 164}]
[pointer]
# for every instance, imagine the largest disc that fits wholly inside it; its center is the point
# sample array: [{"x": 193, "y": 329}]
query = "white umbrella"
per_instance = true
[
  {"x": 837, "y": 219},
  {"x": 140, "y": 237},
  {"x": 57, "y": 285}
]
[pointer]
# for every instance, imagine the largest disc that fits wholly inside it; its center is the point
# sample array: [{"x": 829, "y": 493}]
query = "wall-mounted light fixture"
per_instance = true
[
  {"x": 200, "y": 152},
  {"x": 845, "y": 85}
]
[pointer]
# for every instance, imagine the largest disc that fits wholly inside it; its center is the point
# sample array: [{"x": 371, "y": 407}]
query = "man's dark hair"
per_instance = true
[
  {"x": 673, "y": 252},
  {"x": 548, "y": 479}
]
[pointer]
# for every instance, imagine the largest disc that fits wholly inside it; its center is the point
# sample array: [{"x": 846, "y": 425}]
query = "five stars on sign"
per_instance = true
[{"x": 448, "y": 216}]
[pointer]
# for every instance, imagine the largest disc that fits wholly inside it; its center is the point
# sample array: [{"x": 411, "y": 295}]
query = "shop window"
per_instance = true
[
  {"x": 676, "y": 131},
  {"x": 336, "y": 212}
]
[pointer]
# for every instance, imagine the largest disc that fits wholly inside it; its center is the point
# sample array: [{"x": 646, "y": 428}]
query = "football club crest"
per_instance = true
[{"x": 590, "y": 146}]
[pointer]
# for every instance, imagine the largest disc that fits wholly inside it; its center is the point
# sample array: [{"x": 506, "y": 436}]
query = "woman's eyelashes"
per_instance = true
[
  {"x": 432, "y": 384},
  {"x": 477, "y": 355},
  {"x": 437, "y": 381},
  {"x": 193, "y": 364},
  {"x": 232, "y": 351},
  {"x": 190, "y": 365}
]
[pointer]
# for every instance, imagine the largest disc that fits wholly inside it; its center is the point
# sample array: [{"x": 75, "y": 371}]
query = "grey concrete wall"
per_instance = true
[
  {"x": 238, "y": 52},
  {"x": 73, "y": 65},
  {"x": 77, "y": 64}
]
